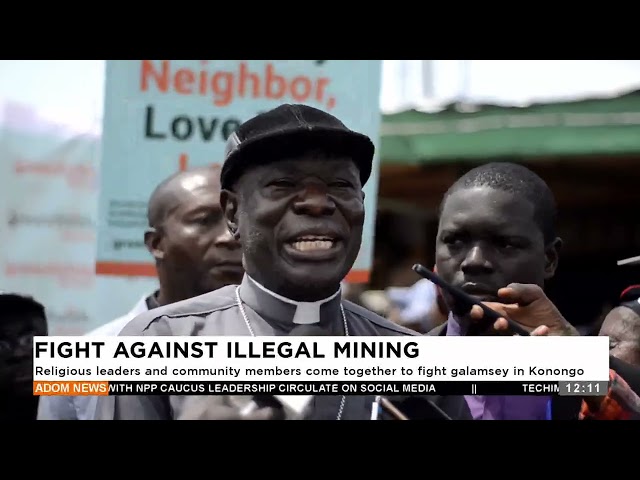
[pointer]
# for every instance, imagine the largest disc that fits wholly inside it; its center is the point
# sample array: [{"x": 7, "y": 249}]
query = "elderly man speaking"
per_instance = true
[{"x": 292, "y": 194}]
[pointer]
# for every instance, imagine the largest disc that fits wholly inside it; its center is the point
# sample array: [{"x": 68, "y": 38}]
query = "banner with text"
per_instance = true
[
  {"x": 161, "y": 116},
  {"x": 48, "y": 183},
  {"x": 322, "y": 365}
]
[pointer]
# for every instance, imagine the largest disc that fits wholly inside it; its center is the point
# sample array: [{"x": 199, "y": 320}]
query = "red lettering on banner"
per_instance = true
[
  {"x": 227, "y": 86},
  {"x": 65, "y": 274},
  {"x": 78, "y": 176}
]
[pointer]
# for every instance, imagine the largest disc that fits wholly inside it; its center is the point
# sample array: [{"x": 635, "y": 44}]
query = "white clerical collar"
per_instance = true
[{"x": 306, "y": 312}]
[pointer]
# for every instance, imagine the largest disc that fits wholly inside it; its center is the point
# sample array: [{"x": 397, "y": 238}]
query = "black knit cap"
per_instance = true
[{"x": 288, "y": 131}]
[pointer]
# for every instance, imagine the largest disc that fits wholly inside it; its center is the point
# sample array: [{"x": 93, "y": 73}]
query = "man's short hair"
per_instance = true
[
  {"x": 518, "y": 180},
  {"x": 16, "y": 305}
]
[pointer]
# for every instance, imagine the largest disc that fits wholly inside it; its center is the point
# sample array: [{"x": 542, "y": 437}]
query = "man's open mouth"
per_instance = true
[
  {"x": 313, "y": 243},
  {"x": 314, "y": 246}
]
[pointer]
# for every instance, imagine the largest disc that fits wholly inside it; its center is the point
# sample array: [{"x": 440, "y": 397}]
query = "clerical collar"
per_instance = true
[{"x": 276, "y": 308}]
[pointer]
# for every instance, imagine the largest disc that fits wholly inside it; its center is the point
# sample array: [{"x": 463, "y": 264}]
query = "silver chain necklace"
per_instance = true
[{"x": 246, "y": 321}]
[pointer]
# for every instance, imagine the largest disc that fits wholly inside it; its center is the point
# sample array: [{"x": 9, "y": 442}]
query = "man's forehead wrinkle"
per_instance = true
[
  {"x": 168, "y": 203},
  {"x": 515, "y": 229},
  {"x": 171, "y": 208},
  {"x": 253, "y": 175},
  {"x": 480, "y": 206},
  {"x": 462, "y": 219}
]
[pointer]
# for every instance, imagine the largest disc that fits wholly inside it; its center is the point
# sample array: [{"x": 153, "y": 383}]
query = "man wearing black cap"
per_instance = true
[
  {"x": 22, "y": 319},
  {"x": 292, "y": 194}
]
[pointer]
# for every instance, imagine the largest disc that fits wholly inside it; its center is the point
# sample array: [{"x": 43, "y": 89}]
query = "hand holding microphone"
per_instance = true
[
  {"x": 526, "y": 310},
  {"x": 527, "y": 305},
  {"x": 481, "y": 310}
]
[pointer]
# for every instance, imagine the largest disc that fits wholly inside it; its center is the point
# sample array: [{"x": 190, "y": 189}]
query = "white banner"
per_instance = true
[{"x": 49, "y": 202}]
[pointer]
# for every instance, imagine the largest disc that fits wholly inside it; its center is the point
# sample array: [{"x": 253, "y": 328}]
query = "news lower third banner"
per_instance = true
[{"x": 320, "y": 366}]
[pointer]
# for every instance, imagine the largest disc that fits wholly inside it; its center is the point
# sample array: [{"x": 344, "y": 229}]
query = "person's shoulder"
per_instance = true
[
  {"x": 111, "y": 328},
  {"x": 386, "y": 327},
  {"x": 165, "y": 320},
  {"x": 114, "y": 327},
  {"x": 437, "y": 331}
]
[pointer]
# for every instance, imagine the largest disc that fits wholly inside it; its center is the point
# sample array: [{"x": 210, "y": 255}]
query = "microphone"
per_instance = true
[
  {"x": 490, "y": 315},
  {"x": 294, "y": 405}
]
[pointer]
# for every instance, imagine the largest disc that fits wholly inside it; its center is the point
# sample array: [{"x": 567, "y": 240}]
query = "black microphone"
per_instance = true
[{"x": 462, "y": 296}]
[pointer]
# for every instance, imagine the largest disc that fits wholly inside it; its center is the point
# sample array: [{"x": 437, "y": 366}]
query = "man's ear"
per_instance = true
[
  {"x": 153, "y": 241},
  {"x": 229, "y": 204},
  {"x": 552, "y": 257}
]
